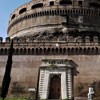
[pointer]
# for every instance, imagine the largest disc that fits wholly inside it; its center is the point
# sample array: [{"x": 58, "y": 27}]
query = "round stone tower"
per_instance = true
[{"x": 63, "y": 20}]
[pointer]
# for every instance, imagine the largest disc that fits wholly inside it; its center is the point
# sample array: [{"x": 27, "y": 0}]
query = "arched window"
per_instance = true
[
  {"x": 17, "y": 51},
  {"x": 37, "y": 50},
  {"x": 72, "y": 50},
  {"x": 56, "y": 50},
  {"x": 13, "y": 16},
  {"x": 29, "y": 51},
  {"x": 52, "y": 50},
  {"x": 60, "y": 50},
  {"x": 2, "y": 51},
  {"x": 88, "y": 50},
  {"x": 24, "y": 51},
  {"x": 5, "y": 51},
  {"x": 80, "y": 50},
  {"x": 48, "y": 50},
  {"x": 44, "y": 50},
  {"x": 68, "y": 50},
  {"x": 76, "y": 50},
  {"x": 37, "y": 5},
  {"x": 21, "y": 51},
  {"x": 97, "y": 50},
  {"x": 32, "y": 50},
  {"x": 22, "y": 10},
  {"x": 92, "y": 50},
  {"x": 40, "y": 50},
  {"x": 84, "y": 50},
  {"x": 64, "y": 50}
]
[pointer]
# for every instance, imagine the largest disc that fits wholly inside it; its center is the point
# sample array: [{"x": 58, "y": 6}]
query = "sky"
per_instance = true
[{"x": 6, "y": 8}]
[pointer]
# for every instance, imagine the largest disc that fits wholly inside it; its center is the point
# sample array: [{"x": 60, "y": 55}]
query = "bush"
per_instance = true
[{"x": 17, "y": 89}]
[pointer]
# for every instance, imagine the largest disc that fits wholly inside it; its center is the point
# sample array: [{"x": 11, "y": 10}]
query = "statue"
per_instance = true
[{"x": 91, "y": 92}]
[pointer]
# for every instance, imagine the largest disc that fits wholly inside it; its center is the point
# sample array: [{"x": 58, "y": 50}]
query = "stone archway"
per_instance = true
[
  {"x": 55, "y": 87},
  {"x": 56, "y": 78}
]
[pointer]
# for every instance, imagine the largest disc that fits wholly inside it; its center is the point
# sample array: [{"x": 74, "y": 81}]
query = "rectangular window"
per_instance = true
[
  {"x": 51, "y": 3},
  {"x": 80, "y": 2}
]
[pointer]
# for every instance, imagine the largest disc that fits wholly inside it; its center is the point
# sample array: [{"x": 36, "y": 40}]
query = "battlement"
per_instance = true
[{"x": 24, "y": 47}]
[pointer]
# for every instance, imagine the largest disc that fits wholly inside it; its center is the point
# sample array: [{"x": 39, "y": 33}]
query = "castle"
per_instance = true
[{"x": 51, "y": 34}]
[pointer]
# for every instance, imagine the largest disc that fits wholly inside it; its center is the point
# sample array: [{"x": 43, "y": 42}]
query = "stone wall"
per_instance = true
[{"x": 25, "y": 69}]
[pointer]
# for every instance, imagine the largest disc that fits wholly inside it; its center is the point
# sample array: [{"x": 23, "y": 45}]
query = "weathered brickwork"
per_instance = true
[{"x": 26, "y": 62}]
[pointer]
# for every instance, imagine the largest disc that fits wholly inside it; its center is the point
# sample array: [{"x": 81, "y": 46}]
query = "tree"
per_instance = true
[{"x": 7, "y": 78}]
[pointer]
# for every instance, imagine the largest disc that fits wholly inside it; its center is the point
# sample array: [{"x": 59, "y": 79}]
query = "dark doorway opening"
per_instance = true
[{"x": 55, "y": 87}]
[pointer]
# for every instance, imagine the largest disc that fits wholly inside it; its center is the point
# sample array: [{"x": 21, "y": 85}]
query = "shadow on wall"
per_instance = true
[
  {"x": 72, "y": 63},
  {"x": 82, "y": 89},
  {"x": 17, "y": 90}
]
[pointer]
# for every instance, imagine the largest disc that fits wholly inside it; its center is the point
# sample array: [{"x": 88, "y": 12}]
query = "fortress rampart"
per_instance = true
[
  {"x": 24, "y": 47},
  {"x": 54, "y": 29},
  {"x": 28, "y": 57}
]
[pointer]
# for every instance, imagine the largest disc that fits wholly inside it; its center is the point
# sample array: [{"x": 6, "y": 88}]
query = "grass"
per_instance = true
[{"x": 14, "y": 99}]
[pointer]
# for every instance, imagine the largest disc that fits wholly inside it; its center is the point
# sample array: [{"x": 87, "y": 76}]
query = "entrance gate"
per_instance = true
[
  {"x": 56, "y": 79},
  {"x": 55, "y": 87}
]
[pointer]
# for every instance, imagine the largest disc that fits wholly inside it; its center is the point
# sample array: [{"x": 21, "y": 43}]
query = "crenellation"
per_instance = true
[
  {"x": 37, "y": 48},
  {"x": 1, "y": 40},
  {"x": 7, "y": 39}
]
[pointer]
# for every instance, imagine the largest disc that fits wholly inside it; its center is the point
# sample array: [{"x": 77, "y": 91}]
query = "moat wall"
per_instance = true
[{"x": 25, "y": 70}]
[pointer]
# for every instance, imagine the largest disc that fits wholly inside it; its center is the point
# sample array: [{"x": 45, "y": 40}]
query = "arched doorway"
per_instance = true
[{"x": 55, "y": 87}]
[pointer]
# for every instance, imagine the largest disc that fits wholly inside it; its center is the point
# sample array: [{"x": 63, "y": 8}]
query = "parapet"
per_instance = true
[
  {"x": 7, "y": 39},
  {"x": 1, "y": 39}
]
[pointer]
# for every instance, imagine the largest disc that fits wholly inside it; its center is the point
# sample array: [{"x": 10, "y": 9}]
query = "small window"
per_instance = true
[
  {"x": 65, "y": 2},
  {"x": 13, "y": 16},
  {"x": 80, "y": 3},
  {"x": 22, "y": 10},
  {"x": 39, "y": 5},
  {"x": 51, "y": 3}
]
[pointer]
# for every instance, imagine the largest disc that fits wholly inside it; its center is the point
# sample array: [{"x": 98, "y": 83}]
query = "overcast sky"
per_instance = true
[{"x": 6, "y": 8}]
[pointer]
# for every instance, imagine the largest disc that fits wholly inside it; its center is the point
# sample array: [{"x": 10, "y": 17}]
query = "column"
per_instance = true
[
  {"x": 41, "y": 82},
  {"x": 63, "y": 85},
  {"x": 69, "y": 83},
  {"x": 45, "y": 85}
]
